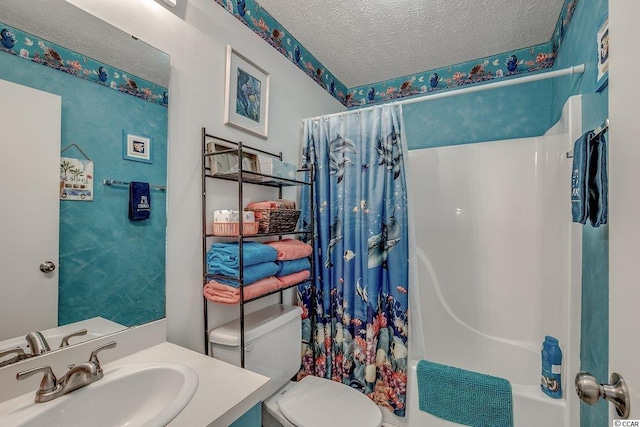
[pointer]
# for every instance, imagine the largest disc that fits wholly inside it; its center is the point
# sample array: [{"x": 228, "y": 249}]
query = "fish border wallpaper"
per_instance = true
[
  {"x": 251, "y": 14},
  {"x": 27, "y": 46},
  {"x": 507, "y": 64}
]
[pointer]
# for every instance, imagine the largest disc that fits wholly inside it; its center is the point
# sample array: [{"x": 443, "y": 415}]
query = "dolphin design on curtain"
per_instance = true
[{"x": 355, "y": 312}]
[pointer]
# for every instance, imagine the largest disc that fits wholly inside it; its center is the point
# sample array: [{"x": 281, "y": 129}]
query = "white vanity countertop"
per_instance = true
[{"x": 225, "y": 392}]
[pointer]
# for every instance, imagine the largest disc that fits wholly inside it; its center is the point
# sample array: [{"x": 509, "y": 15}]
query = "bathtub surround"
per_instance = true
[
  {"x": 496, "y": 274},
  {"x": 355, "y": 322}
]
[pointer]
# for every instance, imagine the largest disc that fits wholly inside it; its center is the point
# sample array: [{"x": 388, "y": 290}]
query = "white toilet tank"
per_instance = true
[{"x": 272, "y": 343}]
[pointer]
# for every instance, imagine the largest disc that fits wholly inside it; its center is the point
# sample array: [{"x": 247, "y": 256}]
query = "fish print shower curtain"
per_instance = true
[{"x": 355, "y": 326}]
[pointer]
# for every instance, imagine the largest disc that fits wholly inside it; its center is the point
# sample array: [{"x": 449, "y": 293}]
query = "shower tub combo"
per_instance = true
[{"x": 498, "y": 266}]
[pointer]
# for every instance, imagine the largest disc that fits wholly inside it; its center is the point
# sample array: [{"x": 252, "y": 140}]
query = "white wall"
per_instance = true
[
  {"x": 195, "y": 35},
  {"x": 624, "y": 204}
]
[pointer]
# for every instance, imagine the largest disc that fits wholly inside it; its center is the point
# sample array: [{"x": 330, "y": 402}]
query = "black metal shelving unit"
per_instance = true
[{"x": 243, "y": 177}]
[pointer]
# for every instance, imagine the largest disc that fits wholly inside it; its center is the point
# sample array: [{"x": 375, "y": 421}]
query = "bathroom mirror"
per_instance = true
[{"x": 113, "y": 87}]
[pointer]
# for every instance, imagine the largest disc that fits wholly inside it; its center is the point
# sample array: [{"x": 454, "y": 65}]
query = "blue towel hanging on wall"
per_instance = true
[
  {"x": 139, "y": 201},
  {"x": 600, "y": 186},
  {"x": 589, "y": 180},
  {"x": 579, "y": 179}
]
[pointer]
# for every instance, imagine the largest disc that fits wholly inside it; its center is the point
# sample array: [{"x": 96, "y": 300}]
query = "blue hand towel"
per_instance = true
[
  {"x": 600, "y": 183},
  {"x": 464, "y": 397},
  {"x": 251, "y": 273},
  {"x": 293, "y": 266},
  {"x": 139, "y": 201},
  {"x": 579, "y": 179},
  {"x": 254, "y": 253}
]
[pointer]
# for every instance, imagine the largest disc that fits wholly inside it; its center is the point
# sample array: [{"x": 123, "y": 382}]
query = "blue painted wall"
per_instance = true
[
  {"x": 579, "y": 46},
  {"x": 512, "y": 112},
  {"x": 251, "y": 418},
  {"x": 109, "y": 266}
]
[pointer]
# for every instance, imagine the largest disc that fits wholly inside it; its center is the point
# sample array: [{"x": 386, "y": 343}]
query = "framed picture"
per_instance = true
[
  {"x": 227, "y": 163},
  {"x": 246, "y": 95},
  {"x": 603, "y": 55},
  {"x": 137, "y": 147}
]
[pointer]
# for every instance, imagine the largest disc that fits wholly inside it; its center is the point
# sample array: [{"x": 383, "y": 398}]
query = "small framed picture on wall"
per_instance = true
[
  {"x": 137, "y": 147},
  {"x": 603, "y": 55}
]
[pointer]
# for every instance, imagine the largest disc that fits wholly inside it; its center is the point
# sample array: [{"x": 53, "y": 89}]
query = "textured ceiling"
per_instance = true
[
  {"x": 88, "y": 36},
  {"x": 369, "y": 41}
]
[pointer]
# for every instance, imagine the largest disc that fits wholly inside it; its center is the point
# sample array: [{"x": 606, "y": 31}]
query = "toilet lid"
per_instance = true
[{"x": 318, "y": 402}]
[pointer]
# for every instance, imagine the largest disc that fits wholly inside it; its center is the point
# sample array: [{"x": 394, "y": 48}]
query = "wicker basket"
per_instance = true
[
  {"x": 276, "y": 220},
  {"x": 231, "y": 228}
]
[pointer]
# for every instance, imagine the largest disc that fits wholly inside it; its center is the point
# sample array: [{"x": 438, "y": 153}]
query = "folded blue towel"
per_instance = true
[
  {"x": 293, "y": 266},
  {"x": 579, "y": 179},
  {"x": 600, "y": 184},
  {"x": 464, "y": 397},
  {"x": 139, "y": 201},
  {"x": 251, "y": 273},
  {"x": 254, "y": 253}
]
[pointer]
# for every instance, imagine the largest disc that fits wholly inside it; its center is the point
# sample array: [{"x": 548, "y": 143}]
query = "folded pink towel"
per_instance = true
[
  {"x": 218, "y": 292},
  {"x": 294, "y": 278},
  {"x": 290, "y": 249},
  {"x": 272, "y": 204}
]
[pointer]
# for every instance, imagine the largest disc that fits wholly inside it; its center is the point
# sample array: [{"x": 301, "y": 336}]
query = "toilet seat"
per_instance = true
[{"x": 319, "y": 402}]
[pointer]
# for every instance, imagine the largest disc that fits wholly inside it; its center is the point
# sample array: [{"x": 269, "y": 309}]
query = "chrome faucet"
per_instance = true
[
  {"x": 65, "y": 339},
  {"x": 19, "y": 355},
  {"x": 78, "y": 376},
  {"x": 37, "y": 343}
]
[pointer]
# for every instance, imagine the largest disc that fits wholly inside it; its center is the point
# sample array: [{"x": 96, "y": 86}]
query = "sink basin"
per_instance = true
[{"x": 131, "y": 395}]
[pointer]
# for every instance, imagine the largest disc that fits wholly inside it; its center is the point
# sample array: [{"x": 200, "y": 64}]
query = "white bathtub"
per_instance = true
[
  {"x": 497, "y": 266},
  {"x": 531, "y": 408}
]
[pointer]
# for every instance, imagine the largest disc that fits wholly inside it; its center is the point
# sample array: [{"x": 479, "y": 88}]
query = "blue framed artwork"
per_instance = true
[
  {"x": 603, "y": 55},
  {"x": 137, "y": 147},
  {"x": 246, "y": 95}
]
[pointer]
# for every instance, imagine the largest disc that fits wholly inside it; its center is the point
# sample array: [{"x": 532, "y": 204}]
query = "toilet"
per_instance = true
[{"x": 272, "y": 348}]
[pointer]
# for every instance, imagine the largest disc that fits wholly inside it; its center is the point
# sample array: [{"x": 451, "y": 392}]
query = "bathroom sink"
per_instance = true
[{"x": 146, "y": 394}]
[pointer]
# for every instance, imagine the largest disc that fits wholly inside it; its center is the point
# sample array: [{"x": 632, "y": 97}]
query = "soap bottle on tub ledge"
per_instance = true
[{"x": 551, "y": 380}]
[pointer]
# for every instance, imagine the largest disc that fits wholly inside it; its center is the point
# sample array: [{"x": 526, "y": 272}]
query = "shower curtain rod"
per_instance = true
[{"x": 576, "y": 69}]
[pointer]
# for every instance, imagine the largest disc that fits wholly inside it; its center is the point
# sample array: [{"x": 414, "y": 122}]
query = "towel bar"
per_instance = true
[
  {"x": 596, "y": 133},
  {"x": 114, "y": 182}
]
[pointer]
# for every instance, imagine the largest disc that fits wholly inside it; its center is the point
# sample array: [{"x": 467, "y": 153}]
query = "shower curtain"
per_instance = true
[{"x": 355, "y": 325}]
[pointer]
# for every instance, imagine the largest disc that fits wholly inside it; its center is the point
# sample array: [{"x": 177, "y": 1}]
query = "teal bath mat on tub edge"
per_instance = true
[{"x": 464, "y": 397}]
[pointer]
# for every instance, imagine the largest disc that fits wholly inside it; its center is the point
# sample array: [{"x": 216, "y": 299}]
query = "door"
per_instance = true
[
  {"x": 29, "y": 189},
  {"x": 624, "y": 198}
]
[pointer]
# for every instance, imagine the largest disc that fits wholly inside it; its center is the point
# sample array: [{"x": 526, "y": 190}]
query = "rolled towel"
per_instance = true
[
  {"x": 219, "y": 292},
  {"x": 272, "y": 204},
  {"x": 290, "y": 249},
  {"x": 251, "y": 274},
  {"x": 227, "y": 254},
  {"x": 293, "y": 266},
  {"x": 579, "y": 179},
  {"x": 294, "y": 279}
]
